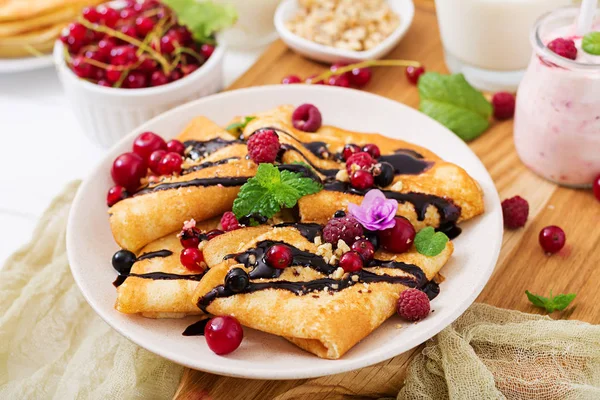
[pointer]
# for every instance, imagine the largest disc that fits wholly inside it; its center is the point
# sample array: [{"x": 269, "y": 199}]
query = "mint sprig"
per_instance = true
[
  {"x": 429, "y": 242},
  {"x": 450, "y": 100},
  {"x": 204, "y": 18},
  {"x": 552, "y": 303},
  {"x": 236, "y": 128},
  {"x": 591, "y": 43},
  {"x": 270, "y": 190}
]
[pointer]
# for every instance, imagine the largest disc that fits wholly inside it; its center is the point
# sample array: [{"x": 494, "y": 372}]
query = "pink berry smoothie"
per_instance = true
[{"x": 557, "y": 118}]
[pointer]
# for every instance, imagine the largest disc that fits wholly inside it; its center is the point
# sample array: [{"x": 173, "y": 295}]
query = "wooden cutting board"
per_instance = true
[{"x": 522, "y": 264}]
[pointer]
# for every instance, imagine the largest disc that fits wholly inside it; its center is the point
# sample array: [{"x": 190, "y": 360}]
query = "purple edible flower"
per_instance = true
[{"x": 376, "y": 212}]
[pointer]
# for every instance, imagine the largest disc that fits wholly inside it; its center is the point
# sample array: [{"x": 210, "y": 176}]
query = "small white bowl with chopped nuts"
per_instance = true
[{"x": 343, "y": 30}]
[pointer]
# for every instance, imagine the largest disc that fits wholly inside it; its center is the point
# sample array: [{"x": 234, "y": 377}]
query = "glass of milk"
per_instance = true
[
  {"x": 487, "y": 40},
  {"x": 254, "y": 27}
]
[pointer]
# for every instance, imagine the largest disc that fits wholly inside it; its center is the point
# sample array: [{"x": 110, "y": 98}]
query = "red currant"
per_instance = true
[
  {"x": 311, "y": 80},
  {"x": 207, "y": 50},
  {"x": 339, "y": 80},
  {"x": 158, "y": 78},
  {"x": 116, "y": 194},
  {"x": 154, "y": 160},
  {"x": 223, "y": 334},
  {"x": 362, "y": 180},
  {"x": 596, "y": 187},
  {"x": 348, "y": 150},
  {"x": 123, "y": 55},
  {"x": 170, "y": 164},
  {"x": 144, "y": 25},
  {"x": 552, "y": 239},
  {"x": 147, "y": 64},
  {"x": 148, "y": 142},
  {"x": 372, "y": 149},
  {"x": 109, "y": 16},
  {"x": 359, "y": 77},
  {"x": 113, "y": 74},
  {"x": 504, "y": 105},
  {"x": 175, "y": 146},
  {"x": 398, "y": 238},
  {"x": 351, "y": 261},
  {"x": 77, "y": 31},
  {"x": 193, "y": 259},
  {"x": 291, "y": 79},
  {"x": 414, "y": 73},
  {"x": 104, "y": 83},
  {"x": 91, "y": 14},
  {"x": 365, "y": 249},
  {"x": 127, "y": 170},
  {"x": 81, "y": 68},
  {"x": 105, "y": 46},
  {"x": 190, "y": 238},
  {"x": 129, "y": 30},
  {"x": 135, "y": 80},
  {"x": 279, "y": 256}
]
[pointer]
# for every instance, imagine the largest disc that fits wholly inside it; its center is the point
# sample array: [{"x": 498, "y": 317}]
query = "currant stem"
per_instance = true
[{"x": 365, "y": 64}]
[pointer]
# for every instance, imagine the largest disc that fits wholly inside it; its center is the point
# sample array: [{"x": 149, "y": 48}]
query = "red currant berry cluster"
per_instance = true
[
  {"x": 356, "y": 77},
  {"x": 149, "y": 151},
  {"x": 360, "y": 164},
  {"x": 134, "y": 45}
]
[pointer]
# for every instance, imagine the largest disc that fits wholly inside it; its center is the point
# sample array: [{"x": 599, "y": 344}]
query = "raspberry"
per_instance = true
[
  {"x": 515, "y": 212},
  {"x": 229, "y": 222},
  {"x": 362, "y": 159},
  {"x": 263, "y": 146},
  {"x": 413, "y": 305},
  {"x": 504, "y": 105},
  {"x": 564, "y": 48},
  {"x": 346, "y": 228}
]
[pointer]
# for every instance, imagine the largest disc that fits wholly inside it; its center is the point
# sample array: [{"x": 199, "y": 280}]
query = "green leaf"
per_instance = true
[
  {"x": 591, "y": 43},
  {"x": 429, "y": 242},
  {"x": 237, "y": 127},
  {"x": 552, "y": 303},
  {"x": 271, "y": 189},
  {"x": 203, "y": 19},
  {"x": 450, "y": 100}
]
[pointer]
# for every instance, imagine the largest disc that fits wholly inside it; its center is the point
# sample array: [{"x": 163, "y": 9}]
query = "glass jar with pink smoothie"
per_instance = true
[{"x": 557, "y": 120}]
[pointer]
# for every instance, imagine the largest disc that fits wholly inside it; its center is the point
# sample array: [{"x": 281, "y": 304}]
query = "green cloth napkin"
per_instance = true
[{"x": 52, "y": 344}]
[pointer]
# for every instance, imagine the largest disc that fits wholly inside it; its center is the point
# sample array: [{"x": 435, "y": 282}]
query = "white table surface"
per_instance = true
[{"x": 43, "y": 147}]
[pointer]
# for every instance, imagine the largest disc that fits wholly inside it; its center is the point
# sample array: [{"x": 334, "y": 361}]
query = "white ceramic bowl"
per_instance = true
[
  {"x": 288, "y": 8},
  {"x": 107, "y": 114},
  {"x": 90, "y": 244}
]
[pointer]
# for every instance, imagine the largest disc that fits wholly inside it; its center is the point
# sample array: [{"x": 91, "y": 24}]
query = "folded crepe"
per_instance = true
[
  {"x": 159, "y": 286},
  {"x": 214, "y": 170},
  {"x": 12, "y": 10},
  {"x": 311, "y": 302},
  {"x": 430, "y": 191}
]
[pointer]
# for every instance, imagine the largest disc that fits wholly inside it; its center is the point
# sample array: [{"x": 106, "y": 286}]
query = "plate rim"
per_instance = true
[
  {"x": 258, "y": 373},
  {"x": 24, "y": 64}
]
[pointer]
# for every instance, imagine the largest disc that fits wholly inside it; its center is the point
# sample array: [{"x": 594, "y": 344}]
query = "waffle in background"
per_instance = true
[{"x": 29, "y": 27}]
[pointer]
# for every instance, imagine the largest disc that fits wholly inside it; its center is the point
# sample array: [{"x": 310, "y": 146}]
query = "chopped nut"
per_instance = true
[
  {"x": 338, "y": 273},
  {"x": 335, "y": 286},
  {"x": 397, "y": 187},
  {"x": 318, "y": 241},
  {"x": 355, "y": 278},
  {"x": 251, "y": 259},
  {"x": 342, "y": 175},
  {"x": 343, "y": 246}
]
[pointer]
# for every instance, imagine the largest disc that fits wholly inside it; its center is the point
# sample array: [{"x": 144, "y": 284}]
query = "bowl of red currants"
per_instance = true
[{"x": 126, "y": 61}]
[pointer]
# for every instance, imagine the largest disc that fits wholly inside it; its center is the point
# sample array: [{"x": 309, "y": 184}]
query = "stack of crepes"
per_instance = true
[{"x": 30, "y": 27}]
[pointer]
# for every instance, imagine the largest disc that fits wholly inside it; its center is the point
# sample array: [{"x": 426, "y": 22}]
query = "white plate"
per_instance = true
[
  {"x": 262, "y": 356},
  {"x": 288, "y": 8},
  {"x": 10, "y": 65}
]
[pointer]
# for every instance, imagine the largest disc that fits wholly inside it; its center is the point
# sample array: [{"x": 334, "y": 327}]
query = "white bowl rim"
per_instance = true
[
  {"x": 321, "y": 370},
  {"x": 405, "y": 23},
  {"x": 213, "y": 62}
]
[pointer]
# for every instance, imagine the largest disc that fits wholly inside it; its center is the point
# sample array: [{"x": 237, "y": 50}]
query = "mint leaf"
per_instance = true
[
  {"x": 203, "y": 19},
  {"x": 552, "y": 303},
  {"x": 591, "y": 43},
  {"x": 237, "y": 127},
  {"x": 271, "y": 189},
  {"x": 450, "y": 100},
  {"x": 429, "y": 242}
]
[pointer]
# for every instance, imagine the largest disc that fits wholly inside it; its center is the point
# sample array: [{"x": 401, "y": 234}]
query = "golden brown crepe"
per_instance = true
[
  {"x": 316, "y": 321},
  {"x": 11, "y": 10},
  {"x": 161, "y": 298}
]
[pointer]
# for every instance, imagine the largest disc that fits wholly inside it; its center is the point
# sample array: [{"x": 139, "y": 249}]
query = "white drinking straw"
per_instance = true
[{"x": 586, "y": 16}]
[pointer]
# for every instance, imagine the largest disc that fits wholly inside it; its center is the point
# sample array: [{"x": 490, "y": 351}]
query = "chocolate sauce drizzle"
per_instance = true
[
  {"x": 405, "y": 162},
  {"x": 157, "y": 276},
  {"x": 260, "y": 270},
  {"x": 201, "y": 149},
  {"x": 225, "y": 181},
  {"x": 196, "y": 329},
  {"x": 207, "y": 164},
  {"x": 154, "y": 254}
]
